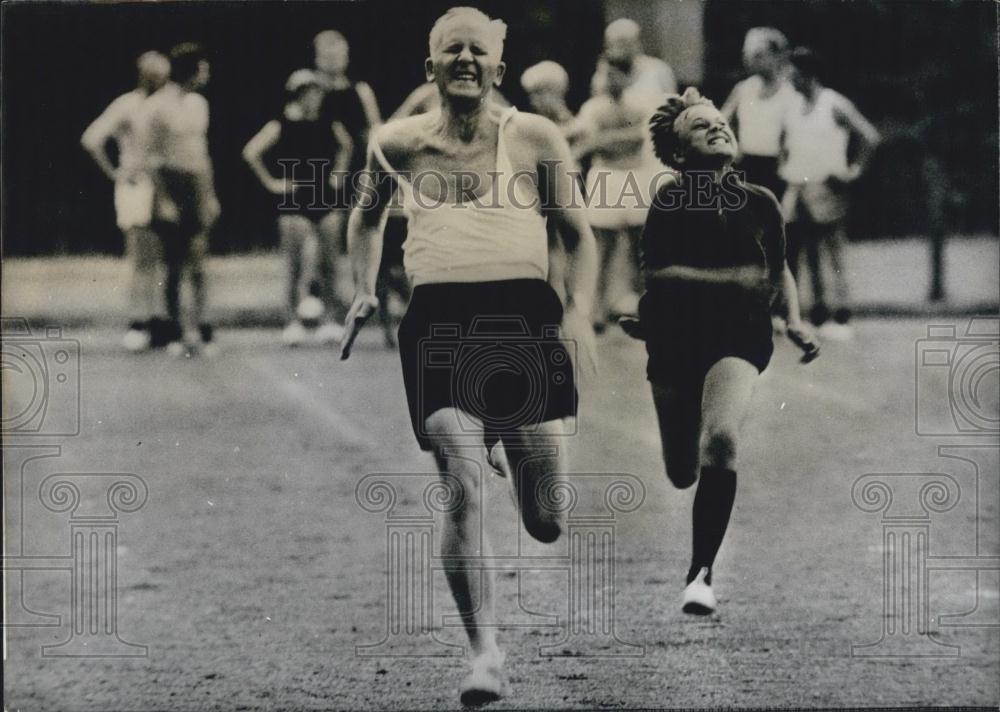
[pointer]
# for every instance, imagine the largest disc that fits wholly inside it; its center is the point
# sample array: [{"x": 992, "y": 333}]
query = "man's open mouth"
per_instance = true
[
  {"x": 465, "y": 76},
  {"x": 719, "y": 138}
]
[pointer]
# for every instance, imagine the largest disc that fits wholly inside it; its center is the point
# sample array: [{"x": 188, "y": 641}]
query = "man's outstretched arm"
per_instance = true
[{"x": 364, "y": 245}]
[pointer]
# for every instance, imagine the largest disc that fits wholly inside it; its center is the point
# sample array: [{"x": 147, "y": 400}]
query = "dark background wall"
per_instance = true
[{"x": 924, "y": 72}]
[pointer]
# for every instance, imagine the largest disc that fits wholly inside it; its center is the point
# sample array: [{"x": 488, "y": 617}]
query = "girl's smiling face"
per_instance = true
[{"x": 705, "y": 136}]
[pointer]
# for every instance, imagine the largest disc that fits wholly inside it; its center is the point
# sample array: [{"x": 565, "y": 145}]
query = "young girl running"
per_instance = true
[{"x": 713, "y": 260}]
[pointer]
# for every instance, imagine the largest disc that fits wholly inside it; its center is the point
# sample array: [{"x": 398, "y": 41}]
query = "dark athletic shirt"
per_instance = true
[
  {"x": 752, "y": 233},
  {"x": 344, "y": 105},
  {"x": 304, "y": 141}
]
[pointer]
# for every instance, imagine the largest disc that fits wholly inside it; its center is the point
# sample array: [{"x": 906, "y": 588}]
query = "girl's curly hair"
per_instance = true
[{"x": 666, "y": 142}]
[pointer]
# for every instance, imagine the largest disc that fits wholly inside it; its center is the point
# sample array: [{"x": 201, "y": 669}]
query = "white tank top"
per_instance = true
[
  {"x": 816, "y": 144},
  {"x": 758, "y": 119},
  {"x": 501, "y": 236}
]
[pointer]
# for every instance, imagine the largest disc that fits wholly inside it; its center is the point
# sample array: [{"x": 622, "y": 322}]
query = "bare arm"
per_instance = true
[
  {"x": 95, "y": 138},
  {"x": 253, "y": 154},
  {"x": 728, "y": 109},
  {"x": 369, "y": 104},
  {"x": 848, "y": 115},
  {"x": 364, "y": 244}
]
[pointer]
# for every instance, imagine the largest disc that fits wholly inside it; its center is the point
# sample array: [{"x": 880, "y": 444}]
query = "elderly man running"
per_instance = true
[{"x": 477, "y": 184}]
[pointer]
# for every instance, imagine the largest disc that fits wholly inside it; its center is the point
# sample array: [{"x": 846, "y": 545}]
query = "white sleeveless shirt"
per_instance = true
[
  {"x": 758, "y": 118},
  {"x": 815, "y": 143},
  {"x": 500, "y": 236}
]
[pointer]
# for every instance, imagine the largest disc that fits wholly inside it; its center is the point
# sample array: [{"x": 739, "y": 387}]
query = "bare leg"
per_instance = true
[
  {"x": 835, "y": 247},
  {"x": 537, "y": 464},
  {"x": 143, "y": 249},
  {"x": 811, "y": 236},
  {"x": 464, "y": 541},
  {"x": 291, "y": 246},
  {"x": 606, "y": 240},
  {"x": 199, "y": 283}
]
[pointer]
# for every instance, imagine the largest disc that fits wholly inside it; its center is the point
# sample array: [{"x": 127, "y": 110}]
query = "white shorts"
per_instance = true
[
  {"x": 615, "y": 201},
  {"x": 134, "y": 202}
]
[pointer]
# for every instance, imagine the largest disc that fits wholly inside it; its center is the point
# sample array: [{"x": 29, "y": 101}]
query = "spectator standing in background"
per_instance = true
[
  {"x": 353, "y": 105},
  {"x": 817, "y": 131},
  {"x": 757, "y": 105},
  {"x": 306, "y": 149},
  {"x": 124, "y": 121},
  {"x": 546, "y": 84},
  {"x": 185, "y": 206},
  {"x": 646, "y": 74}
]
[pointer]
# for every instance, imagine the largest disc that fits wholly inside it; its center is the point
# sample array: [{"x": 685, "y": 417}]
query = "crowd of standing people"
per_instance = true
[{"x": 800, "y": 139}]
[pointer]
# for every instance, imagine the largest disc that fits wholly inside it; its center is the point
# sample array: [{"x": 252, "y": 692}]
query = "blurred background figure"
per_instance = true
[
  {"x": 819, "y": 132},
  {"x": 757, "y": 105},
  {"x": 546, "y": 84},
  {"x": 626, "y": 88},
  {"x": 305, "y": 148},
  {"x": 619, "y": 187},
  {"x": 623, "y": 47},
  {"x": 185, "y": 206},
  {"x": 123, "y": 121},
  {"x": 352, "y": 104}
]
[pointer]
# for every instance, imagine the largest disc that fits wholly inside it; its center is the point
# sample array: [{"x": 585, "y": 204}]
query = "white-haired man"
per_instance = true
[
  {"x": 123, "y": 120},
  {"x": 471, "y": 180},
  {"x": 649, "y": 76}
]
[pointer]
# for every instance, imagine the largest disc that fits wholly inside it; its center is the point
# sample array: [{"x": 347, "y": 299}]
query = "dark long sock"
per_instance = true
[{"x": 713, "y": 503}]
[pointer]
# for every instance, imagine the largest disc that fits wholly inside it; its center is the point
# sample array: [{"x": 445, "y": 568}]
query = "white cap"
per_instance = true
[{"x": 622, "y": 29}]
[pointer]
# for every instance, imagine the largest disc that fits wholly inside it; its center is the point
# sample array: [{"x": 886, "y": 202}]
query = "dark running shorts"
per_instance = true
[
  {"x": 489, "y": 349},
  {"x": 763, "y": 170},
  {"x": 684, "y": 353},
  {"x": 179, "y": 190}
]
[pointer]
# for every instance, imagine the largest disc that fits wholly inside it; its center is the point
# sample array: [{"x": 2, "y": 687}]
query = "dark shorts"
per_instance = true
[
  {"x": 489, "y": 349},
  {"x": 763, "y": 170},
  {"x": 176, "y": 215},
  {"x": 682, "y": 350}
]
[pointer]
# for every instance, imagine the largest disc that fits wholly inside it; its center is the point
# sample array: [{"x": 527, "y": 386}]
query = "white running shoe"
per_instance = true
[
  {"x": 698, "y": 597},
  {"x": 330, "y": 333},
  {"x": 136, "y": 340},
  {"x": 293, "y": 334},
  {"x": 487, "y": 681},
  {"x": 177, "y": 349}
]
